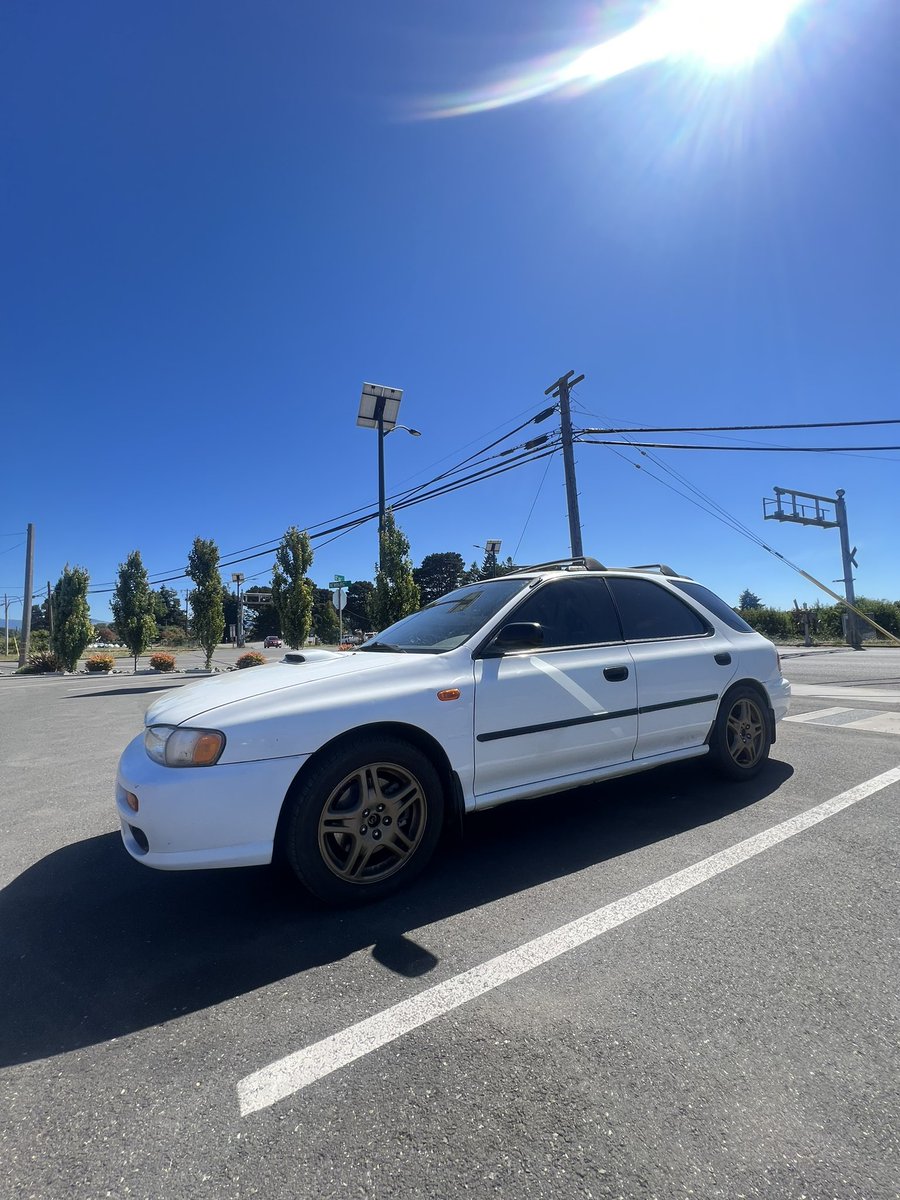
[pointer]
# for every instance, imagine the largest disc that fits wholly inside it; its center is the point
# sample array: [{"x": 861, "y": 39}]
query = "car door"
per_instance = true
[
  {"x": 682, "y": 665},
  {"x": 562, "y": 708}
]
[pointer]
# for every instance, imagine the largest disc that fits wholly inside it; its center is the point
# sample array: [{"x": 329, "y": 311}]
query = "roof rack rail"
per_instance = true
[
  {"x": 663, "y": 569},
  {"x": 586, "y": 564}
]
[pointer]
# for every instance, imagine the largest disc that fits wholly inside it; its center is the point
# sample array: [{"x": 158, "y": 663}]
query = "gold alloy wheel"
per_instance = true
[
  {"x": 372, "y": 823},
  {"x": 745, "y": 733}
]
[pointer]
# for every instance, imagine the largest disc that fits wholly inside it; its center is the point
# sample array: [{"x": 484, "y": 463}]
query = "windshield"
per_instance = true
[{"x": 448, "y": 622}]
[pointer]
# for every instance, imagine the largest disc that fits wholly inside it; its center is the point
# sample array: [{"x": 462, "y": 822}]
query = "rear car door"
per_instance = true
[
  {"x": 565, "y": 707},
  {"x": 682, "y": 663}
]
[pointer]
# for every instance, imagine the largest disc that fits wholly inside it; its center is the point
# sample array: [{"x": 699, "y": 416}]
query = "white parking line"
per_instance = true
[{"x": 297, "y": 1071}]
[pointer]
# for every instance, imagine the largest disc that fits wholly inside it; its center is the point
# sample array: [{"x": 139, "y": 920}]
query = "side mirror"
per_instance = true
[{"x": 518, "y": 635}]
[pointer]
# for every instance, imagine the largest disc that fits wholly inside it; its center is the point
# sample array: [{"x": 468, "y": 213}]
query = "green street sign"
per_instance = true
[{"x": 338, "y": 583}]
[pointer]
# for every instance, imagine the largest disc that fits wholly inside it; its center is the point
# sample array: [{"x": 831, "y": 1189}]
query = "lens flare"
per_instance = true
[{"x": 716, "y": 34}]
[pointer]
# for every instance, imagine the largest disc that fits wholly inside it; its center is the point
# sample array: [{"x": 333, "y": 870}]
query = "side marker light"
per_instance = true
[{"x": 449, "y": 694}]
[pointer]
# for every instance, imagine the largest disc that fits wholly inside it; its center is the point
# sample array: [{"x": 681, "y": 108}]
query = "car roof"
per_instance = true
[{"x": 584, "y": 564}]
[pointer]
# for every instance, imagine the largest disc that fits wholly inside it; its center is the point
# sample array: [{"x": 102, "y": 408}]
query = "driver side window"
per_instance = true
[{"x": 572, "y": 612}]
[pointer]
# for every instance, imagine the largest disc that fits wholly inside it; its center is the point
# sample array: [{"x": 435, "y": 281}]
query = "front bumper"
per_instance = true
[{"x": 195, "y": 817}]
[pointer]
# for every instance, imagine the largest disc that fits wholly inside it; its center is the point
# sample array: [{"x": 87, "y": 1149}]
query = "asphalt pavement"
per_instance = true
[{"x": 664, "y": 986}]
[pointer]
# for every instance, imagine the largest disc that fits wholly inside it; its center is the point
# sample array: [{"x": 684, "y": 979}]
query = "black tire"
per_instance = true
[
  {"x": 365, "y": 821},
  {"x": 741, "y": 737}
]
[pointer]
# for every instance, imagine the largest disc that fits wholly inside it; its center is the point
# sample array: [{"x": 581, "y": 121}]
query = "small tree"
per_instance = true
[
  {"x": 72, "y": 628},
  {"x": 325, "y": 622},
  {"x": 396, "y": 593},
  {"x": 208, "y": 620},
  {"x": 292, "y": 592},
  {"x": 749, "y": 600},
  {"x": 133, "y": 606}
]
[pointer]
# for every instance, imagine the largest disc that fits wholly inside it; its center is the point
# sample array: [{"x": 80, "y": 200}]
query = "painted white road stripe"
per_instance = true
[
  {"x": 857, "y": 718},
  {"x": 297, "y": 1071},
  {"x": 886, "y": 722},
  {"x": 817, "y": 714}
]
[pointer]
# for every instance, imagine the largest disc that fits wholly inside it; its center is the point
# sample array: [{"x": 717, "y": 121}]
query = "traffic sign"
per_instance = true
[{"x": 339, "y": 599}]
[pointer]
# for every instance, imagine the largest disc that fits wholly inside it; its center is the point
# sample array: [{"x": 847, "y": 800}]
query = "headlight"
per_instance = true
[{"x": 171, "y": 746}]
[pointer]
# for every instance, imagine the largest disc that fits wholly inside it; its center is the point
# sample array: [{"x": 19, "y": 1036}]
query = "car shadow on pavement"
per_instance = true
[{"x": 96, "y": 946}]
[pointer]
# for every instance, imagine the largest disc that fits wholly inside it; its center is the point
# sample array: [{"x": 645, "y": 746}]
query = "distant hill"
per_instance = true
[{"x": 13, "y": 624}]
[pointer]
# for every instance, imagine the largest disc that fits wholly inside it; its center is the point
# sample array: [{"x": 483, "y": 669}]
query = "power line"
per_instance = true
[
  {"x": 741, "y": 449},
  {"x": 478, "y": 476},
  {"x": 270, "y": 545},
  {"x": 738, "y": 428},
  {"x": 533, "y": 504}
]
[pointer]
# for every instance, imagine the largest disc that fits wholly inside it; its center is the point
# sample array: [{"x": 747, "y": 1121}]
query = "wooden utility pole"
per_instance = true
[
  {"x": 560, "y": 389},
  {"x": 26, "y": 596}
]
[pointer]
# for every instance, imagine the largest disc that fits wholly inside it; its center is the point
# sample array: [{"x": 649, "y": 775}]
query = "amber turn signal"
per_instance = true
[{"x": 449, "y": 694}]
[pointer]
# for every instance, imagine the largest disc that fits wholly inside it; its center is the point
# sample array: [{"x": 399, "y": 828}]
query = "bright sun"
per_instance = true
[
  {"x": 724, "y": 33},
  {"x": 716, "y": 35}
]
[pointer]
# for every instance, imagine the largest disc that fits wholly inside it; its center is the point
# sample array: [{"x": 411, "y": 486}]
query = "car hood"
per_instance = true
[{"x": 186, "y": 704}]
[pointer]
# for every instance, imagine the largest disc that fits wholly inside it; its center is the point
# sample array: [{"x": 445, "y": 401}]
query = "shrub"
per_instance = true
[
  {"x": 252, "y": 658},
  {"x": 172, "y": 635},
  {"x": 104, "y": 633},
  {"x": 770, "y": 622},
  {"x": 884, "y": 612},
  {"x": 42, "y": 663},
  {"x": 99, "y": 662},
  {"x": 40, "y": 640},
  {"x": 162, "y": 661}
]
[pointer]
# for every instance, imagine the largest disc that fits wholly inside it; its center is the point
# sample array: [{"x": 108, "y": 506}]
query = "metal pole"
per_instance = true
[
  {"x": 26, "y": 597},
  {"x": 6, "y": 620},
  {"x": 840, "y": 512},
  {"x": 380, "y": 415}
]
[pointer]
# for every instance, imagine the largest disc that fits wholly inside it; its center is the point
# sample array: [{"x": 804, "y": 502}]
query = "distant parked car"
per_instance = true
[
  {"x": 350, "y": 764},
  {"x": 271, "y": 641}
]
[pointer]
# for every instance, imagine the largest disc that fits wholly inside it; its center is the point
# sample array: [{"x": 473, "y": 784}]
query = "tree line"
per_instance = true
[{"x": 294, "y": 607}]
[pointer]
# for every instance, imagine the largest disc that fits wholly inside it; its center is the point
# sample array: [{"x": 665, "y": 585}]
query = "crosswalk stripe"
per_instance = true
[
  {"x": 816, "y": 715},
  {"x": 886, "y": 722},
  {"x": 870, "y": 719}
]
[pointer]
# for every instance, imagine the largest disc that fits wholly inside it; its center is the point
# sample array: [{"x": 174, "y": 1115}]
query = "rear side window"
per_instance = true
[
  {"x": 572, "y": 612},
  {"x": 715, "y": 604},
  {"x": 649, "y": 612}
]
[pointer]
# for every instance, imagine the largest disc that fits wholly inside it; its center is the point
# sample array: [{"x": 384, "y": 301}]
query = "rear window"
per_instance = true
[
  {"x": 714, "y": 604},
  {"x": 650, "y": 612}
]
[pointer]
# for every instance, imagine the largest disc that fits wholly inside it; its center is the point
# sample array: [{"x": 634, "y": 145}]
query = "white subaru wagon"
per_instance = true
[{"x": 349, "y": 765}]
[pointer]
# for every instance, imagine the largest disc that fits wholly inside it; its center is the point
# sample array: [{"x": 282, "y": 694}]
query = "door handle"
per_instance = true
[
  {"x": 615, "y": 674},
  {"x": 723, "y": 659}
]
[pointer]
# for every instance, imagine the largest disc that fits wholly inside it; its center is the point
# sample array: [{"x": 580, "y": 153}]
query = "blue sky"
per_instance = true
[{"x": 219, "y": 220}]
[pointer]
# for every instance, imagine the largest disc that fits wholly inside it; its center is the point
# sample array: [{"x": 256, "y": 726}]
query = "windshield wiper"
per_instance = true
[{"x": 385, "y": 646}]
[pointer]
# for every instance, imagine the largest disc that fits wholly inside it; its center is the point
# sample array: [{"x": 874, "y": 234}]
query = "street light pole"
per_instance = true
[
  {"x": 379, "y": 410},
  {"x": 379, "y": 407}
]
